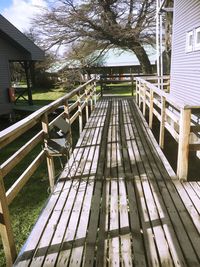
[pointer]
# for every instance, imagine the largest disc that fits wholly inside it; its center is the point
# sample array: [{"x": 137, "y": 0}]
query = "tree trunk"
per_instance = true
[{"x": 143, "y": 58}]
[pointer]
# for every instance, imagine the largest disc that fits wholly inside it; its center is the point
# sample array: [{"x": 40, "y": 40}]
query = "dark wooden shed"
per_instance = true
[{"x": 14, "y": 46}]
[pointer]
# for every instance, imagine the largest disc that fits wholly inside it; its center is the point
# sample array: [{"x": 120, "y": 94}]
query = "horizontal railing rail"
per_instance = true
[
  {"x": 84, "y": 99},
  {"x": 173, "y": 115}
]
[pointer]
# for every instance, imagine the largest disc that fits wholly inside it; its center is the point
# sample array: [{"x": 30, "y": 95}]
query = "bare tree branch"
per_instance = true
[{"x": 126, "y": 24}]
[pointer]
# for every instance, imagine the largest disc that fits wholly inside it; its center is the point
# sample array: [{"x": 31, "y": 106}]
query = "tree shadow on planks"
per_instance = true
[{"x": 69, "y": 245}]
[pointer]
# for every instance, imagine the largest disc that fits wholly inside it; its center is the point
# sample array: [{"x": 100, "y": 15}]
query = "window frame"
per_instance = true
[
  {"x": 189, "y": 48},
  {"x": 196, "y": 45}
]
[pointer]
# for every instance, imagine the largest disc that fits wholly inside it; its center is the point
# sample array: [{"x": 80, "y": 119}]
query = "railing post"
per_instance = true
[
  {"x": 6, "y": 228},
  {"x": 183, "y": 145},
  {"x": 162, "y": 122},
  {"x": 136, "y": 90},
  {"x": 101, "y": 86},
  {"x": 91, "y": 99},
  {"x": 132, "y": 85},
  {"x": 86, "y": 105},
  {"x": 67, "y": 118},
  {"x": 95, "y": 94},
  {"x": 151, "y": 108},
  {"x": 50, "y": 162},
  {"x": 139, "y": 95},
  {"x": 80, "y": 113},
  {"x": 144, "y": 100}
]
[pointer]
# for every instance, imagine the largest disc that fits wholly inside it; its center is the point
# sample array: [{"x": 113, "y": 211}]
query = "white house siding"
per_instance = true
[{"x": 185, "y": 68}]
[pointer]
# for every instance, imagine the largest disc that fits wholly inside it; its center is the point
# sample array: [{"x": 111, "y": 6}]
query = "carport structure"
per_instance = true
[{"x": 15, "y": 47}]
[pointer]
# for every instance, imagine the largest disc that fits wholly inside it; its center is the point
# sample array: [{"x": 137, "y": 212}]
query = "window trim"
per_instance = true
[
  {"x": 196, "y": 45},
  {"x": 189, "y": 48}
]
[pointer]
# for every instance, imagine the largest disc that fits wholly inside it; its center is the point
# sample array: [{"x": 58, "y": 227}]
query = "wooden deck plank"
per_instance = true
[
  {"x": 59, "y": 213},
  {"x": 133, "y": 153},
  {"x": 125, "y": 232},
  {"x": 137, "y": 155},
  {"x": 117, "y": 201},
  {"x": 187, "y": 218},
  {"x": 114, "y": 242},
  {"x": 156, "y": 225},
  {"x": 95, "y": 207},
  {"x": 178, "y": 214},
  {"x": 29, "y": 248},
  {"x": 64, "y": 256}
]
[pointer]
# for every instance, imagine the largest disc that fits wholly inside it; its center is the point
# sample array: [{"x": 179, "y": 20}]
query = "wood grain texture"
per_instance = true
[{"x": 116, "y": 204}]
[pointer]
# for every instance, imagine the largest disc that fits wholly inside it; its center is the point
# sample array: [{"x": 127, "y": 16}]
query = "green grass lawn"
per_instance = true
[
  {"x": 122, "y": 89},
  {"x": 43, "y": 97}
]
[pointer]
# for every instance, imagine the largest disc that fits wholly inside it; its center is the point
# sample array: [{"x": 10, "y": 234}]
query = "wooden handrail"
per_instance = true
[
  {"x": 12, "y": 132},
  {"x": 177, "y": 119},
  {"x": 85, "y": 94},
  {"x": 178, "y": 103}
]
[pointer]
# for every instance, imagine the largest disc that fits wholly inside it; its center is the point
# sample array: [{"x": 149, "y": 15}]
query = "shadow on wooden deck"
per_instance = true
[{"x": 117, "y": 202}]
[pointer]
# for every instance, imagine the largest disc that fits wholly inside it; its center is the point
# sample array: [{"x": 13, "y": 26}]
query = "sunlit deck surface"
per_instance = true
[{"x": 116, "y": 202}]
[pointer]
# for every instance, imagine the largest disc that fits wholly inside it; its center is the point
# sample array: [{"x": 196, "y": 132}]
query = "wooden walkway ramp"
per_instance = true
[{"x": 115, "y": 203}]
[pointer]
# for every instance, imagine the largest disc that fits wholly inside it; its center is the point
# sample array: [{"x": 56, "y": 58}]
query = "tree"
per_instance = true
[{"x": 127, "y": 24}]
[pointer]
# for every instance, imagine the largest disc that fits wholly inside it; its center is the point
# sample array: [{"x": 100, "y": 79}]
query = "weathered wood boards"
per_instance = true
[
  {"x": 115, "y": 203},
  {"x": 174, "y": 115},
  {"x": 62, "y": 121}
]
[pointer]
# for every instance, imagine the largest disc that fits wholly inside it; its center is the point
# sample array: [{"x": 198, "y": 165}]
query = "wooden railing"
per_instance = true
[
  {"x": 85, "y": 97},
  {"x": 174, "y": 115}
]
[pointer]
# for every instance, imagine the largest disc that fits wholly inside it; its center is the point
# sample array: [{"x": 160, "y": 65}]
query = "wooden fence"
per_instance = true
[
  {"x": 85, "y": 97},
  {"x": 174, "y": 115}
]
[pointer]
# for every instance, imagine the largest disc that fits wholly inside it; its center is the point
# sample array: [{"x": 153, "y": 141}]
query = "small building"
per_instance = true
[
  {"x": 115, "y": 62},
  {"x": 184, "y": 27},
  {"x": 185, "y": 62},
  {"x": 14, "y": 47}
]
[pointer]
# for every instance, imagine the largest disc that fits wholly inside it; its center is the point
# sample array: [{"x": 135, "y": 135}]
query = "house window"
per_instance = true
[
  {"x": 197, "y": 39},
  {"x": 189, "y": 41}
]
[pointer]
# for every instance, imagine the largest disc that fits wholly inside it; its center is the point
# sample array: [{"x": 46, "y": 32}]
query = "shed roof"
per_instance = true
[
  {"x": 113, "y": 58},
  {"x": 13, "y": 35},
  {"x": 120, "y": 57}
]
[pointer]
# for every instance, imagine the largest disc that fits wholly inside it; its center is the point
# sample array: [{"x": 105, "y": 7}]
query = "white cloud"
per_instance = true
[{"x": 21, "y": 12}]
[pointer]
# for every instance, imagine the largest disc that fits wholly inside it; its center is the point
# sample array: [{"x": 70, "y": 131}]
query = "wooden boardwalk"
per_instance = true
[{"x": 116, "y": 202}]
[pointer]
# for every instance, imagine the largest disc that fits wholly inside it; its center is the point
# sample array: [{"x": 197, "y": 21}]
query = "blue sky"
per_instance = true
[
  {"x": 4, "y": 4},
  {"x": 20, "y": 12}
]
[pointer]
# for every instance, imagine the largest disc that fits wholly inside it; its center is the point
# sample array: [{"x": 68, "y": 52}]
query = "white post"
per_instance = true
[
  {"x": 67, "y": 117},
  {"x": 158, "y": 39},
  {"x": 144, "y": 100},
  {"x": 162, "y": 122},
  {"x": 151, "y": 108},
  {"x": 80, "y": 113},
  {"x": 183, "y": 145},
  {"x": 50, "y": 161}
]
